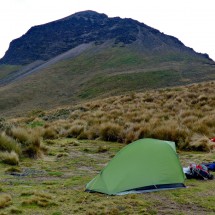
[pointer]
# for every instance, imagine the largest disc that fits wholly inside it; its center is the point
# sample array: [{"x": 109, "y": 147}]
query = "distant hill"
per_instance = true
[{"x": 89, "y": 55}]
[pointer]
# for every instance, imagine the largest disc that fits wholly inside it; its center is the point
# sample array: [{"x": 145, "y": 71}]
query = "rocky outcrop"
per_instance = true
[{"x": 46, "y": 41}]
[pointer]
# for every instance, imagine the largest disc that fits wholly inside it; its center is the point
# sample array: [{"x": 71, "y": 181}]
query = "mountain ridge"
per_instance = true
[{"x": 45, "y": 41}]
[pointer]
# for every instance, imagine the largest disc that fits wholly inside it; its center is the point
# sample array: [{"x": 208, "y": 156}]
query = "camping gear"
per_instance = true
[
  {"x": 210, "y": 166},
  {"x": 213, "y": 139},
  {"x": 198, "y": 172},
  {"x": 142, "y": 166}
]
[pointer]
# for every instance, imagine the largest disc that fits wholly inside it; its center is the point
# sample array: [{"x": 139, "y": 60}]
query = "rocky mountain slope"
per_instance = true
[
  {"x": 89, "y": 55},
  {"x": 49, "y": 40}
]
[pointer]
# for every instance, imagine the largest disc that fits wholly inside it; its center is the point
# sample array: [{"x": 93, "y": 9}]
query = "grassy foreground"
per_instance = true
[
  {"x": 55, "y": 183},
  {"x": 47, "y": 157}
]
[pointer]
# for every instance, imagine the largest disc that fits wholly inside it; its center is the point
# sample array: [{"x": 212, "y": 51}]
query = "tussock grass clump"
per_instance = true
[
  {"x": 27, "y": 193},
  {"x": 170, "y": 131},
  {"x": 39, "y": 199},
  {"x": 102, "y": 149},
  {"x": 42, "y": 202},
  {"x": 50, "y": 133},
  {"x": 133, "y": 132},
  {"x": 9, "y": 158},
  {"x": 111, "y": 132},
  {"x": 13, "y": 169},
  {"x": 14, "y": 210},
  {"x": 74, "y": 143},
  {"x": 174, "y": 114},
  {"x": 4, "y": 125},
  {"x": 8, "y": 144},
  {"x": 29, "y": 141},
  {"x": 20, "y": 134},
  {"x": 75, "y": 131},
  {"x": 50, "y": 142},
  {"x": 144, "y": 131},
  {"x": 5, "y": 200},
  {"x": 201, "y": 143}
]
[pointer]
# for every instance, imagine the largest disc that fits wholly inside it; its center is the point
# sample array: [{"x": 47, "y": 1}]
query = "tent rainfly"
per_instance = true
[{"x": 142, "y": 166}]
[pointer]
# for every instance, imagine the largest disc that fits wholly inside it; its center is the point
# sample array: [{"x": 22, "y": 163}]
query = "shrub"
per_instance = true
[{"x": 9, "y": 158}]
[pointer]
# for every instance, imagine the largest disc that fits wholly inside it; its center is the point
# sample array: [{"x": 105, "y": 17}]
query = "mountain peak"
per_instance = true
[
  {"x": 87, "y": 14},
  {"x": 46, "y": 41}
]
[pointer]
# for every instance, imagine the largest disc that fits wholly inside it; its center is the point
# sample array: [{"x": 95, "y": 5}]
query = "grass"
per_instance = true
[
  {"x": 5, "y": 200},
  {"x": 72, "y": 144},
  {"x": 133, "y": 81},
  {"x": 8, "y": 144},
  {"x": 29, "y": 139},
  {"x": 6, "y": 70},
  {"x": 9, "y": 158},
  {"x": 184, "y": 115},
  {"x": 18, "y": 142},
  {"x": 60, "y": 187},
  {"x": 98, "y": 73}
]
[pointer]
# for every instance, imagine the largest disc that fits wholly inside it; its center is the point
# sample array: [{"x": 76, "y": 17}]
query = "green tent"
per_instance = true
[{"x": 142, "y": 166}]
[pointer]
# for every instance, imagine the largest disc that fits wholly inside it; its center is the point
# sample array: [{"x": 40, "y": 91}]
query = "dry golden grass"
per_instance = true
[
  {"x": 9, "y": 144},
  {"x": 50, "y": 133},
  {"x": 21, "y": 142},
  {"x": 176, "y": 114},
  {"x": 5, "y": 200},
  {"x": 14, "y": 210},
  {"x": 38, "y": 198},
  {"x": 9, "y": 158},
  {"x": 41, "y": 200},
  {"x": 201, "y": 143},
  {"x": 102, "y": 149},
  {"x": 30, "y": 140}
]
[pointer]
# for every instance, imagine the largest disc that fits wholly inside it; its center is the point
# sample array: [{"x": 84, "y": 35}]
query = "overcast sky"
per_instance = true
[{"x": 191, "y": 21}]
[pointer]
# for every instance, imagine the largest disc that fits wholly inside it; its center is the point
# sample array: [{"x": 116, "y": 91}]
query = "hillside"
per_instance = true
[
  {"x": 88, "y": 55},
  {"x": 49, "y": 40},
  {"x": 74, "y": 143},
  {"x": 184, "y": 115}
]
